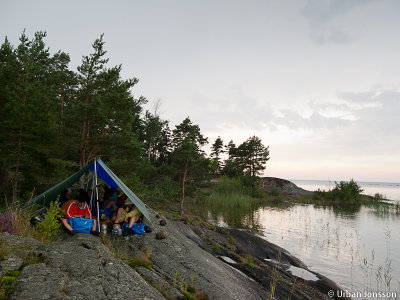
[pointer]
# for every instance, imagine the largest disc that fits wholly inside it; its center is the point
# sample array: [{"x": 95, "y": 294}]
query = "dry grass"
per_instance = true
[
  {"x": 274, "y": 281},
  {"x": 108, "y": 243},
  {"x": 143, "y": 259},
  {"x": 5, "y": 250},
  {"x": 115, "y": 247},
  {"x": 22, "y": 226}
]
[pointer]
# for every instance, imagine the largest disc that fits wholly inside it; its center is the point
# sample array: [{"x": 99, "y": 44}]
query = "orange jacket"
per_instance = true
[{"x": 73, "y": 211}]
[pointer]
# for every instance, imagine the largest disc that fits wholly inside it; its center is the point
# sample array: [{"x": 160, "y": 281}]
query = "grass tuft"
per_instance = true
[
  {"x": 142, "y": 259},
  {"x": 248, "y": 260}
]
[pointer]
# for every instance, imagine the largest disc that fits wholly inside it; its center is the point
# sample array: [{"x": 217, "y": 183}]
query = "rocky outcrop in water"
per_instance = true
[{"x": 270, "y": 184}]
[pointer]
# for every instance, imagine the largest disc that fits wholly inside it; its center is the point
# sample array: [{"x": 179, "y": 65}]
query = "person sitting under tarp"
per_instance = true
[
  {"x": 64, "y": 196},
  {"x": 115, "y": 201},
  {"x": 130, "y": 213},
  {"x": 78, "y": 217}
]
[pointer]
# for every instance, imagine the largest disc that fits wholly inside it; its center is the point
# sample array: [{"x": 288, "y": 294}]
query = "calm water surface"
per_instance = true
[
  {"x": 360, "y": 251},
  {"x": 390, "y": 190},
  {"x": 358, "y": 248}
]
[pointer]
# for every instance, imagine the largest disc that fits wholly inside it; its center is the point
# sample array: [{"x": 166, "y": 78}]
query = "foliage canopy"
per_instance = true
[{"x": 54, "y": 120}]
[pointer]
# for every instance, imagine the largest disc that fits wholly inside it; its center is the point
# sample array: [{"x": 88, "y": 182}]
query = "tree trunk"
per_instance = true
[
  {"x": 62, "y": 106},
  {"x": 15, "y": 183},
  {"x": 84, "y": 137},
  {"x": 82, "y": 148},
  {"x": 62, "y": 110},
  {"x": 83, "y": 144},
  {"x": 183, "y": 185},
  {"x": 5, "y": 180}
]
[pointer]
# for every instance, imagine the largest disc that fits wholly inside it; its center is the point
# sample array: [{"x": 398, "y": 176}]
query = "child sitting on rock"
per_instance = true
[{"x": 129, "y": 213}]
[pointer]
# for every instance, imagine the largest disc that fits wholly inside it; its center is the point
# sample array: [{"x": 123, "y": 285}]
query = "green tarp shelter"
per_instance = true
[{"x": 101, "y": 170}]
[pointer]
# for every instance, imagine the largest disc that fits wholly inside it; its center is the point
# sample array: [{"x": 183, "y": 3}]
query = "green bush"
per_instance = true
[
  {"x": 275, "y": 192},
  {"x": 379, "y": 197},
  {"x": 346, "y": 191},
  {"x": 342, "y": 192},
  {"x": 248, "y": 260},
  {"x": 50, "y": 224},
  {"x": 239, "y": 185}
]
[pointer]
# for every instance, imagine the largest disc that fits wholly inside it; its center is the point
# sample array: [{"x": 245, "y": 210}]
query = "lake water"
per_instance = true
[
  {"x": 358, "y": 250},
  {"x": 357, "y": 247},
  {"x": 390, "y": 190}
]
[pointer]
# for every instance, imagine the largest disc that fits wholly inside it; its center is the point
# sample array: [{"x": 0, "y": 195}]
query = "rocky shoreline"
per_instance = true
[
  {"x": 195, "y": 261},
  {"x": 268, "y": 184}
]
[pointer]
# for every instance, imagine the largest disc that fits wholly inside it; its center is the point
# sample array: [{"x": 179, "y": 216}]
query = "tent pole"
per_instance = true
[
  {"x": 97, "y": 195},
  {"x": 92, "y": 196}
]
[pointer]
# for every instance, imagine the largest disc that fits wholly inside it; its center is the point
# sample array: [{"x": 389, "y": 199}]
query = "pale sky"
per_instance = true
[{"x": 318, "y": 80}]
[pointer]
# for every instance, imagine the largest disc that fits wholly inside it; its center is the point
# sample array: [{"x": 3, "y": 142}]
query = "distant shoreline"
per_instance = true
[
  {"x": 390, "y": 190},
  {"x": 387, "y": 191},
  {"x": 363, "y": 182}
]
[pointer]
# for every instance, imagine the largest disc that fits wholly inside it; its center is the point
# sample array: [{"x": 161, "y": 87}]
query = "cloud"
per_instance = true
[
  {"x": 356, "y": 124},
  {"x": 234, "y": 109},
  {"x": 375, "y": 129},
  {"x": 382, "y": 118},
  {"x": 323, "y": 35},
  {"x": 326, "y": 20},
  {"x": 322, "y": 11},
  {"x": 324, "y": 116}
]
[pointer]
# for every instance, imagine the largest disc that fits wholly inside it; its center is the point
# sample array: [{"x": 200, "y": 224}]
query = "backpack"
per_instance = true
[
  {"x": 81, "y": 225},
  {"x": 137, "y": 228}
]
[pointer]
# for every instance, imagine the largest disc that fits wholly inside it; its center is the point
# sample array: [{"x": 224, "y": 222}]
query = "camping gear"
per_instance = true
[
  {"x": 81, "y": 225},
  {"x": 116, "y": 230},
  {"x": 104, "y": 228},
  {"x": 104, "y": 212},
  {"x": 101, "y": 170},
  {"x": 137, "y": 228}
]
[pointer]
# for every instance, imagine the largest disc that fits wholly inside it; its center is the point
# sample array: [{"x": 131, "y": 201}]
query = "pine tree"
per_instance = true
[
  {"x": 104, "y": 109},
  {"x": 188, "y": 159},
  {"x": 216, "y": 150},
  {"x": 28, "y": 94},
  {"x": 156, "y": 138},
  {"x": 252, "y": 156}
]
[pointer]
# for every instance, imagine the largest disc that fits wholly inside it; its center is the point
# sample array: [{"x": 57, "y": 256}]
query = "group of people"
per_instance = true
[{"x": 112, "y": 208}]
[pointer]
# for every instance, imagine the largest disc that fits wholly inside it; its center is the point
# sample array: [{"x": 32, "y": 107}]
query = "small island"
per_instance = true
[{"x": 203, "y": 242}]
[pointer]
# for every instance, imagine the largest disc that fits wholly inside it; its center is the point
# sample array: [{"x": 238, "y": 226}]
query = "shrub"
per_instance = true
[
  {"x": 50, "y": 224},
  {"x": 22, "y": 226},
  {"x": 319, "y": 194},
  {"x": 248, "y": 260},
  {"x": 275, "y": 192},
  {"x": 167, "y": 188},
  {"x": 379, "y": 197},
  {"x": 6, "y": 222},
  {"x": 239, "y": 185},
  {"x": 346, "y": 191},
  {"x": 343, "y": 192}
]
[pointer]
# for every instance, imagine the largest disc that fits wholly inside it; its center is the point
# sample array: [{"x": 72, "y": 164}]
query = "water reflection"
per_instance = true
[
  {"x": 344, "y": 211},
  {"x": 352, "y": 245},
  {"x": 245, "y": 217}
]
